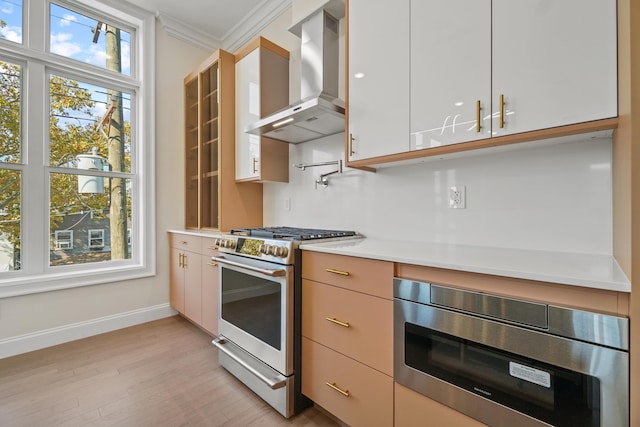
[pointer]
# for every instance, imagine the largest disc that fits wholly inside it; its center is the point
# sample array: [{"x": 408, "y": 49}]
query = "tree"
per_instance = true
[{"x": 73, "y": 130}]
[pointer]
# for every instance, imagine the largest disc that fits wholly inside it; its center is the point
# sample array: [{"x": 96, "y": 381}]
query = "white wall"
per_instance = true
[
  {"x": 73, "y": 313},
  {"x": 533, "y": 196},
  {"x": 549, "y": 197}
]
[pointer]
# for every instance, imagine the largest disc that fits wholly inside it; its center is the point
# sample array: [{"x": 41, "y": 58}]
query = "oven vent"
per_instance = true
[{"x": 504, "y": 309}]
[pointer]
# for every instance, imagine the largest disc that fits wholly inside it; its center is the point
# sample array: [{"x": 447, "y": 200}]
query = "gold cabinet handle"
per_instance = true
[
  {"x": 255, "y": 169},
  {"x": 337, "y": 322},
  {"x": 338, "y": 389},
  {"x": 478, "y": 109},
  {"x": 342, "y": 273},
  {"x": 501, "y": 111},
  {"x": 180, "y": 260},
  {"x": 212, "y": 264},
  {"x": 184, "y": 261},
  {"x": 184, "y": 242},
  {"x": 351, "y": 138}
]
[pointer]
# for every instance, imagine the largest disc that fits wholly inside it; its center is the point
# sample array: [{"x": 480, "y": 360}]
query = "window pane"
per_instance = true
[
  {"x": 10, "y": 187},
  {"x": 89, "y": 40},
  {"x": 10, "y": 112},
  {"x": 11, "y": 20},
  {"x": 97, "y": 222},
  {"x": 90, "y": 126},
  {"x": 96, "y": 238}
]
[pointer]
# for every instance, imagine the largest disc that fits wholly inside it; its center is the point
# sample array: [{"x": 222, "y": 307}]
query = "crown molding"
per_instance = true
[
  {"x": 245, "y": 30},
  {"x": 253, "y": 24},
  {"x": 187, "y": 33}
]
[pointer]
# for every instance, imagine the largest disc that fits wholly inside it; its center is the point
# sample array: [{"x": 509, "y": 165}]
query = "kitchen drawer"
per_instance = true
[
  {"x": 370, "y": 393},
  {"x": 185, "y": 242},
  {"x": 365, "y": 331},
  {"x": 412, "y": 409},
  {"x": 209, "y": 247},
  {"x": 359, "y": 274}
]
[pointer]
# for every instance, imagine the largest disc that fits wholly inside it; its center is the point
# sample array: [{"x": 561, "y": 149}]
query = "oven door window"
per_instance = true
[
  {"x": 253, "y": 304},
  {"x": 554, "y": 395}
]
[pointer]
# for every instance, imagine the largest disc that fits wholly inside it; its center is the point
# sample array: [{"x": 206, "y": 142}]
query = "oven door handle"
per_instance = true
[
  {"x": 274, "y": 380},
  {"x": 266, "y": 272}
]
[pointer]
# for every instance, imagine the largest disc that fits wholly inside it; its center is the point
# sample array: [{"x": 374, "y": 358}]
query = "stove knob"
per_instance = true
[
  {"x": 232, "y": 244},
  {"x": 271, "y": 250},
  {"x": 282, "y": 252},
  {"x": 264, "y": 248}
]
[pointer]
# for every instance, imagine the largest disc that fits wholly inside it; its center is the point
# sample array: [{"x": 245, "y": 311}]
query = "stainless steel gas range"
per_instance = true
[{"x": 259, "y": 309}]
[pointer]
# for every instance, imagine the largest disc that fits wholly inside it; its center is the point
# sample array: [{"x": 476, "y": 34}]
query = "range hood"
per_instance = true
[{"x": 320, "y": 112}]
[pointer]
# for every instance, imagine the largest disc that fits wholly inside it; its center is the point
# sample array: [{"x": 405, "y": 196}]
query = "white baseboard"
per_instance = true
[{"x": 54, "y": 336}]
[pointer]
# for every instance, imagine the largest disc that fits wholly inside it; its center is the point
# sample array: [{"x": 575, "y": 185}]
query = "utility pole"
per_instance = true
[{"x": 118, "y": 206}]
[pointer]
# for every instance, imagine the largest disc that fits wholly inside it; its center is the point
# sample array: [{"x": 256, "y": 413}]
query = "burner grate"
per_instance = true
[{"x": 292, "y": 233}]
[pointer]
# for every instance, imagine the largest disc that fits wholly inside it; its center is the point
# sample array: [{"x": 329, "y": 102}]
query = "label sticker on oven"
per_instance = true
[{"x": 530, "y": 374}]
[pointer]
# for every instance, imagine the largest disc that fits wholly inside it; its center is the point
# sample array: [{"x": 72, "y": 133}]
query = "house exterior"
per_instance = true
[{"x": 82, "y": 237}]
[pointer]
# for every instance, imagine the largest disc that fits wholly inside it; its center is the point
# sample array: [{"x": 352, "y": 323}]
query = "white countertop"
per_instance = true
[
  {"x": 587, "y": 270},
  {"x": 201, "y": 233}
]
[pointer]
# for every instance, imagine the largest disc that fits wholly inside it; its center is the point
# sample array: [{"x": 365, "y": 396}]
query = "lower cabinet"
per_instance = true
[
  {"x": 351, "y": 391},
  {"x": 210, "y": 286},
  {"x": 347, "y": 337},
  {"x": 412, "y": 409},
  {"x": 194, "y": 279}
]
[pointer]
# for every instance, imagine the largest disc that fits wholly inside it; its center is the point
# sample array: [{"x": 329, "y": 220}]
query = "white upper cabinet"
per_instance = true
[
  {"x": 262, "y": 88},
  {"x": 450, "y": 71},
  {"x": 555, "y": 63},
  {"x": 247, "y": 112},
  {"x": 378, "y": 78},
  {"x": 446, "y": 72}
]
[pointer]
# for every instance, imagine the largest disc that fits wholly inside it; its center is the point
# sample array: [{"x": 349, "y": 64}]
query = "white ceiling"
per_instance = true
[{"x": 213, "y": 23}]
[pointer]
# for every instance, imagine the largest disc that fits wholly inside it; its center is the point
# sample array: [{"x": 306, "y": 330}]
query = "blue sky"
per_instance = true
[{"x": 71, "y": 34}]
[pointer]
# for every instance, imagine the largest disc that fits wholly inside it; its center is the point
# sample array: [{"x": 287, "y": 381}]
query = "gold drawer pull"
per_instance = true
[
  {"x": 337, "y": 322},
  {"x": 338, "y": 389},
  {"x": 212, "y": 264},
  {"x": 213, "y": 248},
  {"x": 184, "y": 242},
  {"x": 501, "y": 111},
  {"x": 342, "y": 273}
]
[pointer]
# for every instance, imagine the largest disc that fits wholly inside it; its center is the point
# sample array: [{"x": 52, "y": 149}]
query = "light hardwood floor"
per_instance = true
[{"x": 162, "y": 373}]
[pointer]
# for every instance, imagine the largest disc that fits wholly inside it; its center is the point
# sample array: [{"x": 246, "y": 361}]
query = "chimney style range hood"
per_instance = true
[{"x": 320, "y": 112}]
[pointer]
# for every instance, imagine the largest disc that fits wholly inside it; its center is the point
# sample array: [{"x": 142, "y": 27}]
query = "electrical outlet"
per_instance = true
[{"x": 457, "y": 197}]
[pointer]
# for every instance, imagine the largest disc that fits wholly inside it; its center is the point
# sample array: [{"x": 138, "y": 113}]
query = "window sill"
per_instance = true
[{"x": 37, "y": 283}]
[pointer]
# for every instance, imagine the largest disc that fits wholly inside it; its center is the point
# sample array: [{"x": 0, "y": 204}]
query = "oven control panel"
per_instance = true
[{"x": 266, "y": 249}]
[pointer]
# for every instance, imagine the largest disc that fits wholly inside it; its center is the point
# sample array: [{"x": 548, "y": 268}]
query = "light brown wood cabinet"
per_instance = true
[
  {"x": 213, "y": 199},
  {"x": 210, "y": 286},
  {"x": 193, "y": 289},
  {"x": 415, "y": 410},
  {"x": 347, "y": 337}
]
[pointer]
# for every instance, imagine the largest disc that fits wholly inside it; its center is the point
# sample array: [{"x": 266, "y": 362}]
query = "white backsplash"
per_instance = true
[{"x": 534, "y": 196}]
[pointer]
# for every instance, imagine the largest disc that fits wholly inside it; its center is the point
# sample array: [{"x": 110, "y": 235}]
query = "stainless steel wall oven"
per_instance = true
[{"x": 509, "y": 362}]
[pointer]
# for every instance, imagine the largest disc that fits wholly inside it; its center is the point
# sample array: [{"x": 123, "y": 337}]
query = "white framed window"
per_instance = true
[
  {"x": 85, "y": 161},
  {"x": 63, "y": 239},
  {"x": 96, "y": 239}
]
